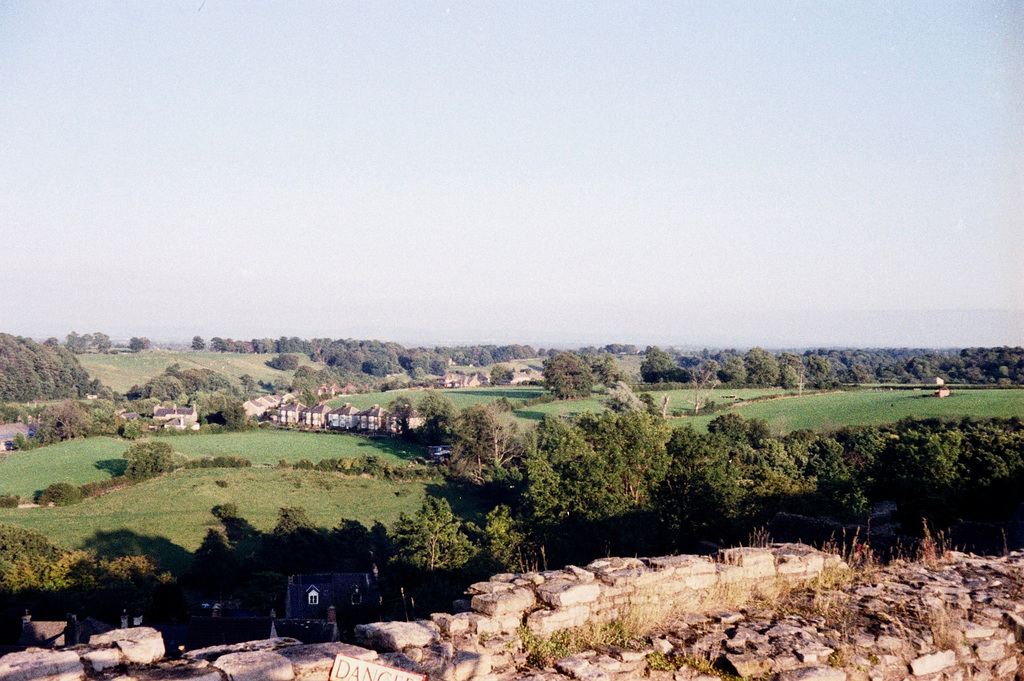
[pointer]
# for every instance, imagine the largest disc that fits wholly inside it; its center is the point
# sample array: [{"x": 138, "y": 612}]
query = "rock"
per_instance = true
[
  {"x": 395, "y": 636},
  {"x": 935, "y": 662},
  {"x": 259, "y": 665},
  {"x": 747, "y": 665},
  {"x": 813, "y": 674},
  {"x": 990, "y": 651},
  {"x": 103, "y": 659},
  {"x": 504, "y": 602},
  {"x": 563, "y": 594},
  {"x": 42, "y": 665},
  {"x": 466, "y": 665},
  {"x": 138, "y": 645},
  {"x": 316, "y": 660}
]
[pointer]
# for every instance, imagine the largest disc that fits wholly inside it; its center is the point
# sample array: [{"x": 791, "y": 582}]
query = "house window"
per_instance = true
[{"x": 314, "y": 597}]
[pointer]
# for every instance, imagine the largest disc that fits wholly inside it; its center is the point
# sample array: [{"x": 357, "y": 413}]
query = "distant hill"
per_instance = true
[{"x": 30, "y": 371}]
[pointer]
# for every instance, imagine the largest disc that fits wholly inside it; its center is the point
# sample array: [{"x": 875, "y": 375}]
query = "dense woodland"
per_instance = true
[{"x": 33, "y": 371}]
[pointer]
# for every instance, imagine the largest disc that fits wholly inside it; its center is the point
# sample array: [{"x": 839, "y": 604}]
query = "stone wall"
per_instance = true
[{"x": 958, "y": 619}]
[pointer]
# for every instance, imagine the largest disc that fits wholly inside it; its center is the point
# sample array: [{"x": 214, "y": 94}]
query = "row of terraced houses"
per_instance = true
[{"x": 285, "y": 410}]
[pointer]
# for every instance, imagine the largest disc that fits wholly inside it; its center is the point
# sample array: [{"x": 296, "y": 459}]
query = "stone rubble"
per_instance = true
[{"x": 959, "y": 619}]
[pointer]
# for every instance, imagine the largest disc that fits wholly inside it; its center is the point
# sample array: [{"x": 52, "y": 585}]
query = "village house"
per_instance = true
[
  {"x": 342, "y": 418},
  {"x": 526, "y": 376},
  {"x": 290, "y": 413},
  {"x": 178, "y": 419},
  {"x": 310, "y": 596},
  {"x": 315, "y": 417},
  {"x": 372, "y": 419},
  {"x": 451, "y": 380},
  {"x": 8, "y": 431}
]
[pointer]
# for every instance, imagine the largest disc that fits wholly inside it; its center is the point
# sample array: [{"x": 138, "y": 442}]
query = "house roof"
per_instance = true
[
  {"x": 345, "y": 410},
  {"x": 163, "y": 412},
  {"x": 320, "y": 409},
  {"x": 204, "y": 632},
  {"x": 375, "y": 411},
  {"x": 9, "y": 430}
]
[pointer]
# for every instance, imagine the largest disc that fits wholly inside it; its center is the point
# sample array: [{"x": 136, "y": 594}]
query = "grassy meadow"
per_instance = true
[
  {"x": 98, "y": 458},
  {"x": 123, "y": 370},
  {"x": 828, "y": 411},
  {"x": 167, "y": 517}
]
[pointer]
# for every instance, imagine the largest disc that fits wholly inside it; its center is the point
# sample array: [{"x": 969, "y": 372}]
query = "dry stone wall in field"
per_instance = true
[{"x": 782, "y": 613}]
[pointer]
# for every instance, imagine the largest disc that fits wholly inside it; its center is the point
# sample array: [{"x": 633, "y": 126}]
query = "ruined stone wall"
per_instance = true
[{"x": 958, "y": 619}]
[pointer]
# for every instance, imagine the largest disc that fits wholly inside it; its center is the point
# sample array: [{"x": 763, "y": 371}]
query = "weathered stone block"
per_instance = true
[
  {"x": 466, "y": 665},
  {"x": 483, "y": 625},
  {"x": 932, "y": 663},
  {"x": 138, "y": 645},
  {"x": 990, "y": 651},
  {"x": 395, "y": 636},
  {"x": 42, "y": 665},
  {"x": 502, "y": 603},
  {"x": 261, "y": 665},
  {"x": 314, "y": 661},
  {"x": 102, "y": 659},
  {"x": 813, "y": 674},
  {"x": 746, "y": 665},
  {"x": 563, "y": 594}
]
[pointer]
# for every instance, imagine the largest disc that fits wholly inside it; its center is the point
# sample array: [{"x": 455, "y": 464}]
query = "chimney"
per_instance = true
[
  {"x": 26, "y": 620},
  {"x": 71, "y": 631},
  {"x": 124, "y": 619},
  {"x": 332, "y": 615}
]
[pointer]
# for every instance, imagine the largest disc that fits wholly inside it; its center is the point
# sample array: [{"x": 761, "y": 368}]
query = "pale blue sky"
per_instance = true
[{"x": 783, "y": 174}]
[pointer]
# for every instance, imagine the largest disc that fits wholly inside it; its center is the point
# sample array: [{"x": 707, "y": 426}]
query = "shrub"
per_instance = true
[
  {"x": 221, "y": 483},
  {"x": 148, "y": 459},
  {"x": 227, "y": 511},
  {"x": 94, "y": 489},
  {"x": 60, "y": 494},
  {"x": 9, "y": 501}
]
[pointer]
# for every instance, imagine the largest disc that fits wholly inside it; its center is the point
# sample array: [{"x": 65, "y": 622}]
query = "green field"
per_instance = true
[
  {"x": 167, "y": 518},
  {"x": 75, "y": 461},
  {"x": 122, "y": 371},
  {"x": 678, "y": 399},
  {"x": 462, "y": 397},
  {"x": 98, "y": 458},
  {"x": 270, "y": 446},
  {"x": 829, "y": 411}
]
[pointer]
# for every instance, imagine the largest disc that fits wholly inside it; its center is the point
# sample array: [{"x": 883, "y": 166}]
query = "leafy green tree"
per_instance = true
[
  {"x": 733, "y": 371},
  {"x": 622, "y": 399},
  {"x": 101, "y": 342},
  {"x": 198, "y": 344},
  {"x": 821, "y": 373},
  {"x": 215, "y": 568},
  {"x": 284, "y": 362},
  {"x": 762, "y": 368},
  {"x": 568, "y": 376},
  {"x": 607, "y": 371},
  {"x": 658, "y": 366},
  {"x": 137, "y": 344},
  {"x": 432, "y": 538},
  {"x": 402, "y": 408},
  {"x": 438, "y": 413},
  {"x": 501, "y": 374},
  {"x": 483, "y": 439},
  {"x": 63, "y": 421},
  {"x": 60, "y": 494},
  {"x": 148, "y": 460}
]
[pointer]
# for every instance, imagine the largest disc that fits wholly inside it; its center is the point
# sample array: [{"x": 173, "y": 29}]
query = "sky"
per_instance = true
[{"x": 722, "y": 174}]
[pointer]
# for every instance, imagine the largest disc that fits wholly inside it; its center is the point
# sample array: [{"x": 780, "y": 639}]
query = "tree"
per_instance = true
[
  {"x": 658, "y": 366},
  {"x": 432, "y": 538},
  {"x": 198, "y": 344},
  {"x": 137, "y": 344},
  {"x": 762, "y": 369},
  {"x": 622, "y": 399},
  {"x": 482, "y": 438},
  {"x": 438, "y": 412},
  {"x": 705, "y": 380},
  {"x": 821, "y": 372},
  {"x": 284, "y": 362},
  {"x": 791, "y": 372},
  {"x": 606, "y": 370},
  {"x": 249, "y": 384},
  {"x": 148, "y": 459},
  {"x": 733, "y": 371},
  {"x": 218, "y": 344},
  {"x": 63, "y": 421},
  {"x": 402, "y": 408},
  {"x": 501, "y": 374},
  {"x": 101, "y": 342},
  {"x": 568, "y": 376},
  {"x": 215, "y": 568}
]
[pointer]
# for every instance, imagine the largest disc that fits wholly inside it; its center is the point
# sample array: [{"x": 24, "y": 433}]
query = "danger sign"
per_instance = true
[{"x": 351, "y": 669}]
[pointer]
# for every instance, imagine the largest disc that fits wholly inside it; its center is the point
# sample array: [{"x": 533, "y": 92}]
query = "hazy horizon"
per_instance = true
[{"x": 782, "y": 175}]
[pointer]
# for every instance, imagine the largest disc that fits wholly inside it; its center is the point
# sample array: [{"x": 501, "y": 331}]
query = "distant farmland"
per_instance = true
[
  {"x": 98, "y": 458},
  {"x": 123, "y": 370},
  {"x": 167, "y": 517}
]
